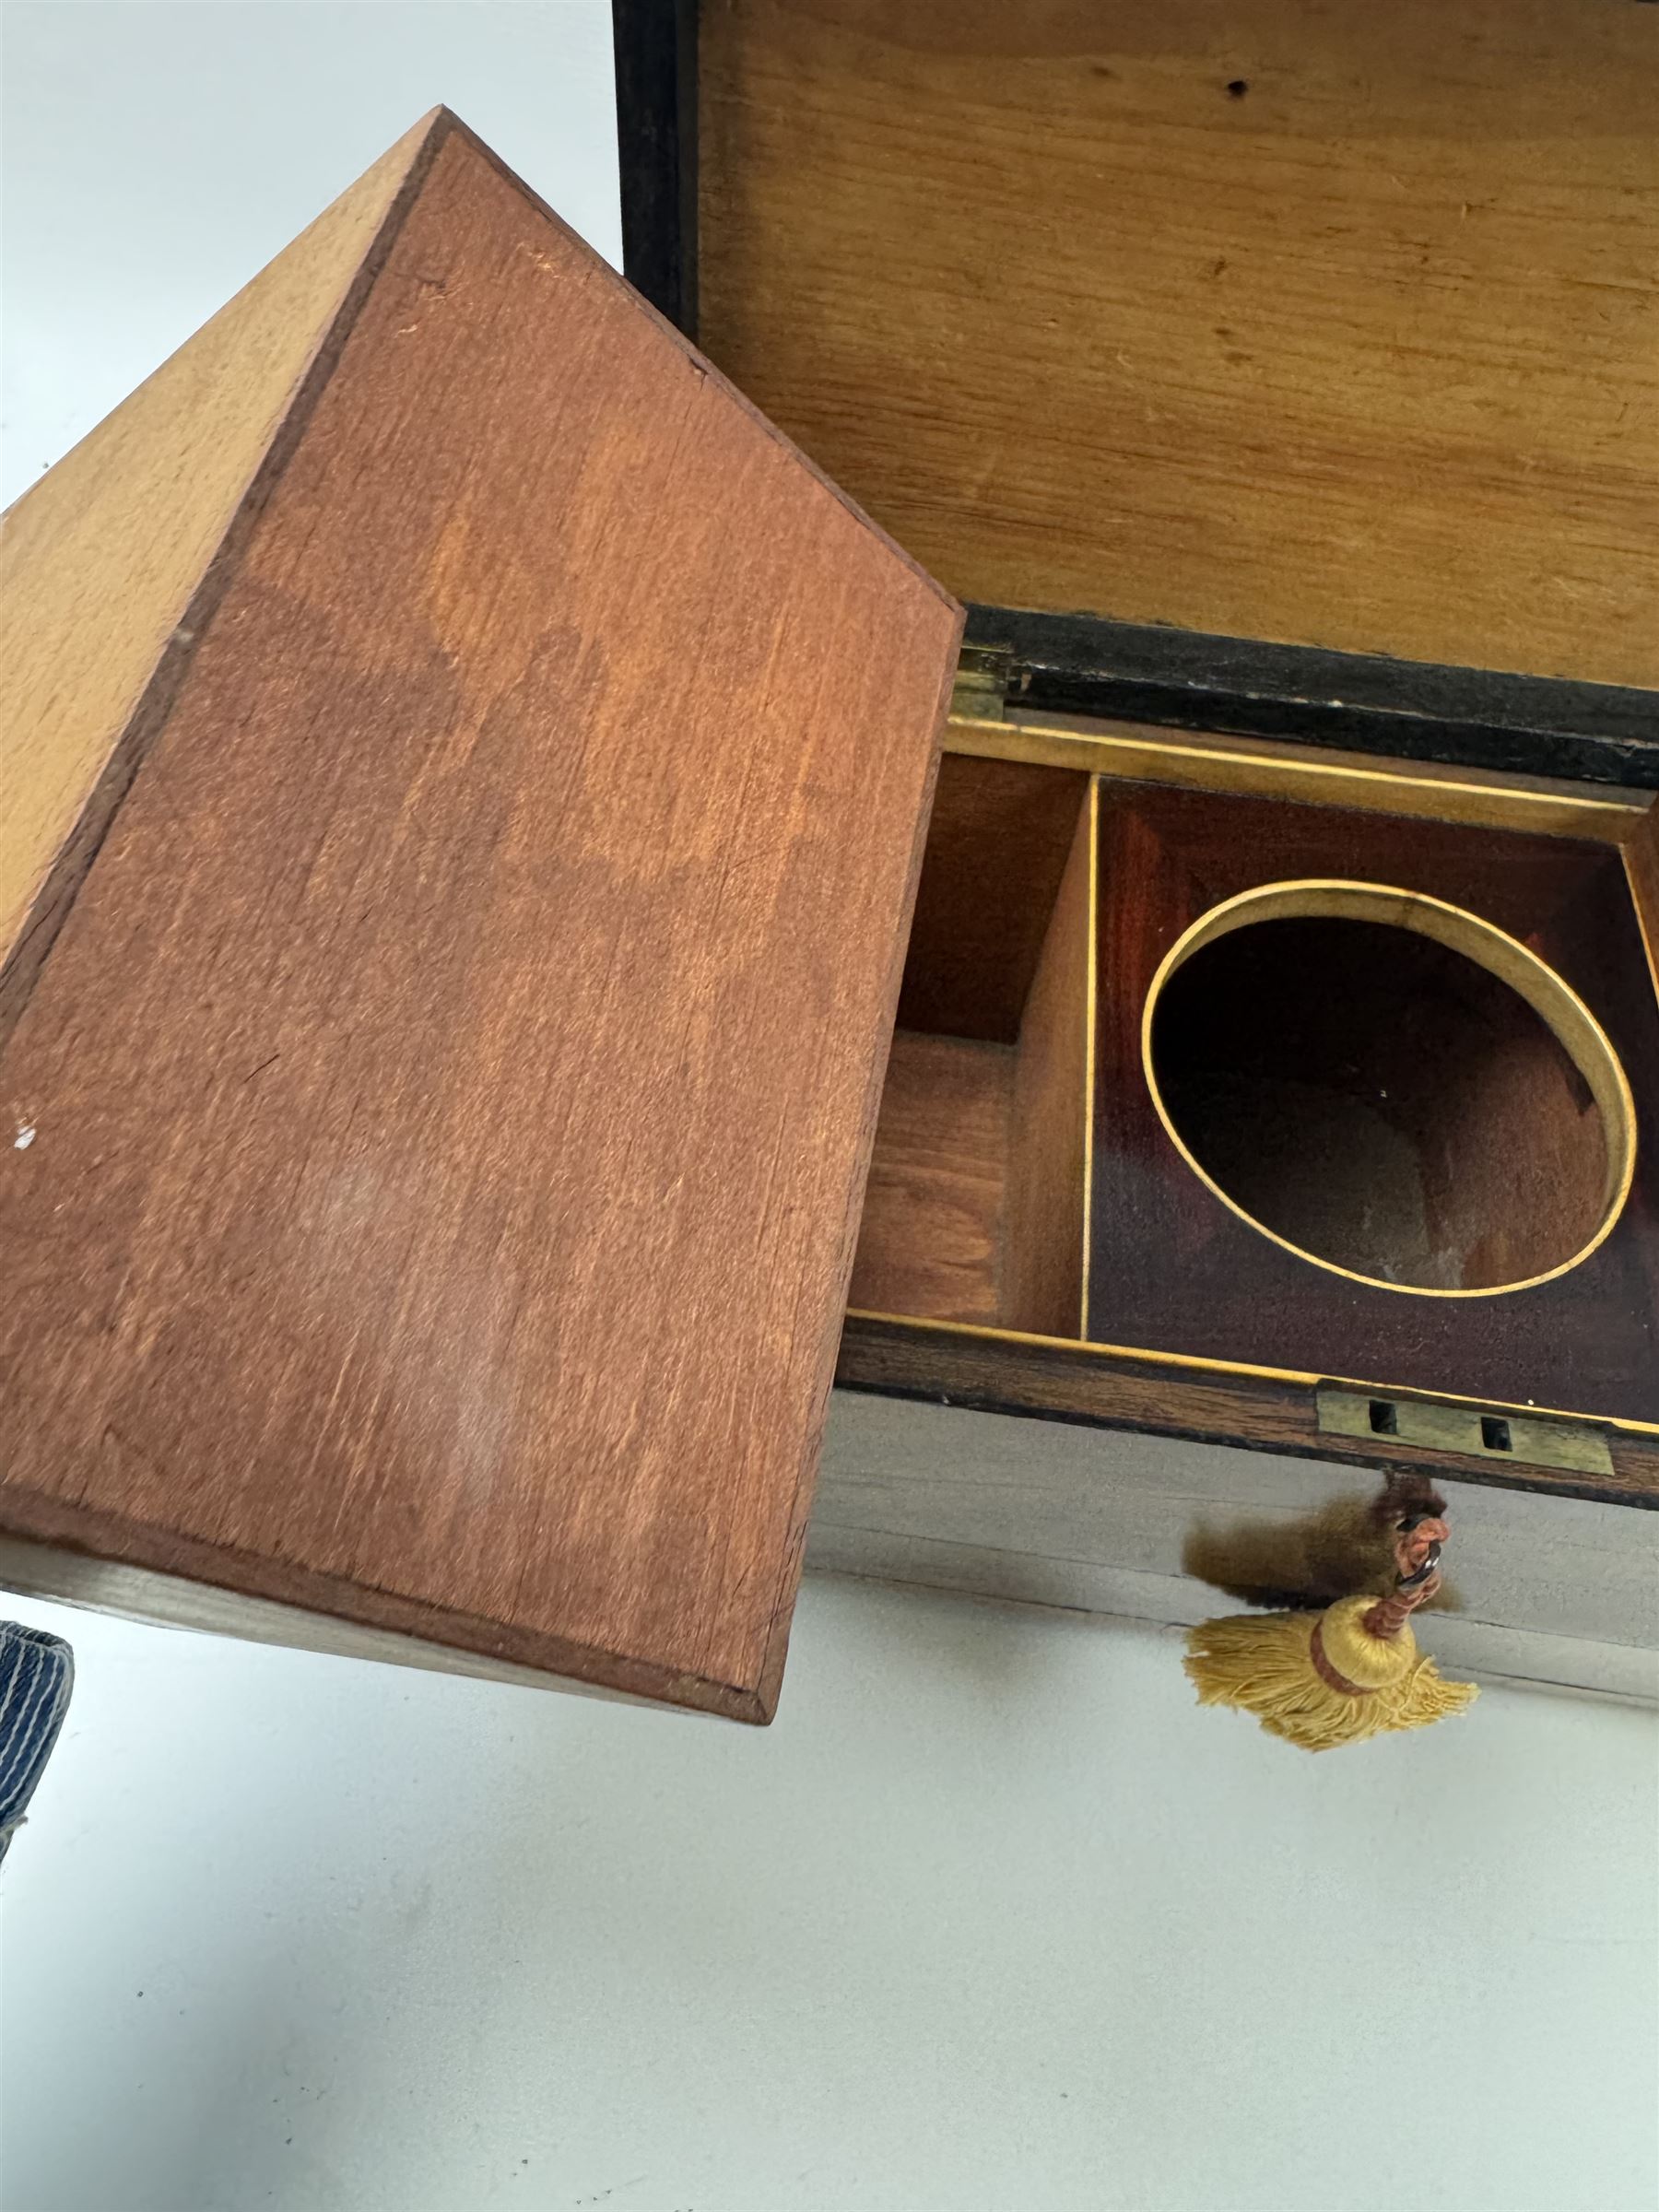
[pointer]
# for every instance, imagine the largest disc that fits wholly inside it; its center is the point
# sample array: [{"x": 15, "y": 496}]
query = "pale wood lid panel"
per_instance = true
[
  {"x": 1324, "y": 325},
  {"x": 103, "y": 558}
]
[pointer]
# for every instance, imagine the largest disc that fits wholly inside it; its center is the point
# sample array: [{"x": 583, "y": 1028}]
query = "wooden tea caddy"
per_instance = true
[
  {"x": 1265, "y": 336},
  {"x": 454, "y": 987}
]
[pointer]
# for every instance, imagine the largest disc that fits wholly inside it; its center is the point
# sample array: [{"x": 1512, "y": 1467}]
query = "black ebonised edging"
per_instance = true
[
  {"x": 1472, "y": 717},
  {"x": 656, "y": 47}
]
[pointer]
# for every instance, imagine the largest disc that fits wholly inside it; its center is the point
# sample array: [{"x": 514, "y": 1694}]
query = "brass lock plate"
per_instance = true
[{"x": 1496, "y": 1433}]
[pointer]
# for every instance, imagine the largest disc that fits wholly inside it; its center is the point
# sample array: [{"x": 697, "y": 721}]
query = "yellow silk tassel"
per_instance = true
[{"x": 1269, "y": 1663}]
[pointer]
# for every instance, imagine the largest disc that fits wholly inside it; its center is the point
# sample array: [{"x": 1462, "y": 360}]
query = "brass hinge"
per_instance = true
[
  {"x": 984, "y": 677},
  {"x": 1498, "y": 1435}
]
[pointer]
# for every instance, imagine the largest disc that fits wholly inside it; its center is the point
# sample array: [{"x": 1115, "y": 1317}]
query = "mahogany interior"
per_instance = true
[
  {"x": 974, "y": 1210},
  {"x": 1382, "y": 1102},
  {"x": 1487, "y": 1165}
]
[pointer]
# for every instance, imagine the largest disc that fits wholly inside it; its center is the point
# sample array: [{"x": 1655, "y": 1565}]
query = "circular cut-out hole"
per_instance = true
[{"x": 1390, "y": 1086}]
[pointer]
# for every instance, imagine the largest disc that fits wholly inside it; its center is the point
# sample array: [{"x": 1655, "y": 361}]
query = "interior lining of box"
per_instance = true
[
  {"x": 975, "y": 1206},
  {"x": 1382, "y": 1102},
  {"x": 979, "y": 1197},
  {"x": 932, "y": 1238},
  {"x": 1642, "y": 871}
]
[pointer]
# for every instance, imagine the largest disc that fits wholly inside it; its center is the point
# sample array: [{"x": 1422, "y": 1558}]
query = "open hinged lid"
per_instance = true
[
  {"x": 470, "y": 776},
  {"x": 1284, "y": 322}
]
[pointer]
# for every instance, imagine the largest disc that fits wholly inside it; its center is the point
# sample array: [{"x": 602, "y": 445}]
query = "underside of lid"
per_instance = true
[{"x": 1320, "y": 326}]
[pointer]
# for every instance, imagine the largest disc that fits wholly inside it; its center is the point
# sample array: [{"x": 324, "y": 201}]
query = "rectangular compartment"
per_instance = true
[{"x": 975, "y": 1208}]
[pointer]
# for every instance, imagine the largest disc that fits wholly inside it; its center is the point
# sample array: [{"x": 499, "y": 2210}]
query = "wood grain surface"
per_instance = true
[
  {"x": 1384, "y": 1102},
  {"x": 997, "y": 846},
  {"x": 1642, "y": 868},
  {"x": 1046, "y": 1240},
  {"x": 974, "y": 1207},
  {"x": 452, "y": 1089},
  {"x": 1121, "y": 1388},
  {"x": 1283, "y": 320},
  {"x": 1317, "y": 775},
  {"x": 110, "y": 565},
  {"x": 1173, "y": 1269},
  {"x": 930, "y": 1238}
]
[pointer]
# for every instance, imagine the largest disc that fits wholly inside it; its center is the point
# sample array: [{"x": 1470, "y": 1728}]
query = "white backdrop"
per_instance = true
[
  {"x": 991, "y": 1918},
  {"x": 154, "y": 154}
]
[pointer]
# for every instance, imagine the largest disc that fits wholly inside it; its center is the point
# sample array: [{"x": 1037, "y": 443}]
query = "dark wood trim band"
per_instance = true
[
  {"x": 656, "y": 47},
  {"x": 1360, "y": 703},
  {"x": 1108, "y": 1389}
]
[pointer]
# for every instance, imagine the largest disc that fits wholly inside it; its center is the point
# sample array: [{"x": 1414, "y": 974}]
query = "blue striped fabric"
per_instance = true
[{"x": 37, "y": 1673}]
